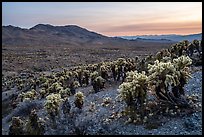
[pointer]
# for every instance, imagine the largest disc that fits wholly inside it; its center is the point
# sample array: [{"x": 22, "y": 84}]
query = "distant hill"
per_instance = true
[
  {"x": 48, "y": 34},
  {"x": 162, "y": 38}
]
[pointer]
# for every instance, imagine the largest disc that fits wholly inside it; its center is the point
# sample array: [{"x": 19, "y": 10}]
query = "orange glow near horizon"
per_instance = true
[{"x": 180, "y": 28}]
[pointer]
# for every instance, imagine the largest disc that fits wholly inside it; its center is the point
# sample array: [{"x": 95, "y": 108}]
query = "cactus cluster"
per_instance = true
[{"x": 165, "y": 74}]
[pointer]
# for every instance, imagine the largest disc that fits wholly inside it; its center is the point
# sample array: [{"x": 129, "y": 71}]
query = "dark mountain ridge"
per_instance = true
[{"x": 46, "y": 34}]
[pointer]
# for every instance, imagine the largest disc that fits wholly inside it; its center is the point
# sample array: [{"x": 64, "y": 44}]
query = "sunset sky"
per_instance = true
[{"x": 109, "y": 18}]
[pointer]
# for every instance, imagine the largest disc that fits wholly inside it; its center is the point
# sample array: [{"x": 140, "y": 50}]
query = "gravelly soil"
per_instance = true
[{"x": 107, "y": 119}]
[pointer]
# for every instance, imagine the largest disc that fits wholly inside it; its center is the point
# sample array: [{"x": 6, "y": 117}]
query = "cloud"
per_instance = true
[{"x": 165, "y": 27}]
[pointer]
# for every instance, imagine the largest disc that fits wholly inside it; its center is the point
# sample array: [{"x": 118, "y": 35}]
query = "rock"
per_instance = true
[{"x": 189, "y": 124}]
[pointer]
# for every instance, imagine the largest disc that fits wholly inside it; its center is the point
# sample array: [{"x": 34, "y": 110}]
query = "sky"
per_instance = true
[{"x": 109, "y": 18}]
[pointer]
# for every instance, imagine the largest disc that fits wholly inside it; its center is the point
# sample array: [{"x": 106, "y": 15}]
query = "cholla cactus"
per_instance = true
[
  {"x": 134, "y": 91},
  {"x": 54, "y": 88},
  {"x": 104, "y": 72},
  {"x": 134, "y": 88},
  {"x": 86, "y": 75},
  {"x": 196, "y": 43},
  {"x": 98, "y": 83},
  {"x": 79, "y": 100},
  {"x": 182, "y": 62},
  {"x": 161, "y": 72},
  {"x": 170, "y": 74},
  {"x": 94, "y": 75},
  {"x": 121, "y": 61},
  {"x": 166, "y": 59},
  {"x": 43, "y": 92},
  {"x": 42, "y": 79},
  {"x": 65, "y": 92},
  {"x": 73, "y": 85},
  {"x": 66, "y": 107},
  {"x": 106, "y": 101},
  {"x": 52, "y": 104},
  {"x": 30, "y": 95},
  {"x": 76, "y": 84},
  {"x": 34, "y": 126},
  {"x": 16, "y": 127}
]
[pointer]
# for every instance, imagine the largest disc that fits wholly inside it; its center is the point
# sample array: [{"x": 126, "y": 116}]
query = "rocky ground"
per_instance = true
[{"x": 102, "y": 114}]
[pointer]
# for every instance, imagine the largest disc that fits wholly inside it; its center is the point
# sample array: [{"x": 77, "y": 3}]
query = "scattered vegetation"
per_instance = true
[{"x": 164, "y": 74}]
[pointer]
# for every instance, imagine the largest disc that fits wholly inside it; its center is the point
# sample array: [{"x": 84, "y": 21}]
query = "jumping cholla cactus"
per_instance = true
[
  {"x": 34, "y": 125},
  {"x": 52, "y": 104},
  {"x": 30, "y": 95},
  {"x": 106, "y": 101},
  {"x": 76, "y": 84},
  {"x": 181, "y": 64},
  {"x": 104, "y": 72},
  {"x": 65, "y": 92},
  {"x": 79, "y": 100},
  {"x": 54, "y": 88},
  {"x": 162, "y": 73},
  {"x": 94, "y": 75},
  {"x": 133, "y": 91},
  {"x": 98, "y": 83},
  {"x": 121, "y": 61},
  {"x": 17, "y": 127},
  {"x": 66, "y": 107},
  {"x": 169, "y": 78},
  {"x": 43, "y": 92}
]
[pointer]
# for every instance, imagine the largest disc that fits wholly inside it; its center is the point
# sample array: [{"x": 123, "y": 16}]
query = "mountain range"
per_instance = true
[
  {"x": 46, "y": 34},
  {"x": 171, "y": 37}
]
